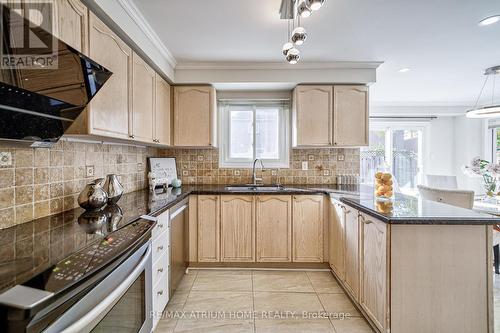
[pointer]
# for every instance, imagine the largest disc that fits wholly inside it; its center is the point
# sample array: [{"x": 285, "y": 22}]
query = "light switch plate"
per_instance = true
[
  {"x": 89, "y": 171},
  {"x": 305, "y": 166},
  {"x": 5, "y": 158}
]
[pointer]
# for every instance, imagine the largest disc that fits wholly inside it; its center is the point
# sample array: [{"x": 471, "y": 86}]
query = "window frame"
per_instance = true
[{"x": 224, "y": 108}]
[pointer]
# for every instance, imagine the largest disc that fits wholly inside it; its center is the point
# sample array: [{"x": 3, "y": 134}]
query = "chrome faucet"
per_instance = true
[{"x": 254, "y": 175}]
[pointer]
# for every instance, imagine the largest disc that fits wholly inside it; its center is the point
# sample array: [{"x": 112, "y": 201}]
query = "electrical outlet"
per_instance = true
[
  {"x": 89, "y": 171},
  {"x": 326, "y": 172},
  {"x": 305, "y": 166},
  {"x": 273, "y": 172},
  {"x": 5, "y": 158},
  {"x": 341, "y": 157}
]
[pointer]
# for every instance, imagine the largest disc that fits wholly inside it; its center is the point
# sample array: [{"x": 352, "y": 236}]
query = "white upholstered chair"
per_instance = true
[
  {"x": 460, "y": 198},
  {"x": 442, "y": 181}
]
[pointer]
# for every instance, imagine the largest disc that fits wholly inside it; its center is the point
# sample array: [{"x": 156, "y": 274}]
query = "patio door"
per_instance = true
[{"x": 400, "y": 147}]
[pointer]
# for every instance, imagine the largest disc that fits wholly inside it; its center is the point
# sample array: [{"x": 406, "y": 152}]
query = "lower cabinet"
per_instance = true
[
  {"x": 336, "y": 238},
  {"x": 237, "y": 228},
  {"x": 161, "y": 265},
  {"x": 373, "y": 270},
  {"x": 274, "y": 228},
  {"x": 351, "y": 250},
  {"x": 208, "y": 228},
  {"x": 307, "y": 237}
]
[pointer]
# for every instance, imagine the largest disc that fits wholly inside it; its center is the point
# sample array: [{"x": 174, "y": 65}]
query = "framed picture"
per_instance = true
[{"x": 163, "y": 167}]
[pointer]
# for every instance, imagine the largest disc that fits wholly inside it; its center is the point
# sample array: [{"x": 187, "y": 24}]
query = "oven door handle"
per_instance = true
[{"x": 103, "y": 307}]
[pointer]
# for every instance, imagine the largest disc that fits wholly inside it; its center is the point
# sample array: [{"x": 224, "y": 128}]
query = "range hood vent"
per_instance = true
[{"x": 40, "y": 98}]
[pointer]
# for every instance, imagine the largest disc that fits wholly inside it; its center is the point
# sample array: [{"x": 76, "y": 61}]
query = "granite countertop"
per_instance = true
[
  {"x": 411, "y": 210},
  {"x": 30, "y": 248}
]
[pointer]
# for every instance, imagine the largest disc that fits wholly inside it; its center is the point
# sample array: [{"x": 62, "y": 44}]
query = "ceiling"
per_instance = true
[{"x": 439, "y": 40}]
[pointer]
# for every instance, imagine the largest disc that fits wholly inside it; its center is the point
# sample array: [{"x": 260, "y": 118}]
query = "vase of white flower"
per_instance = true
[{"x": 489, "y": 172}]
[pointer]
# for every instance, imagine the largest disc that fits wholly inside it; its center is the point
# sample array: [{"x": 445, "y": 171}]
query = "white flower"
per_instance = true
[
  {"x": 471, "y": 171},
  {"x": 476, "y": 161},
  {"x": 493, "y": 169}
]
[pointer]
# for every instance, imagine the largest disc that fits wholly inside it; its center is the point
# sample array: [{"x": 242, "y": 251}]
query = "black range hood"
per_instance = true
[{"x": 44, "y": 88}]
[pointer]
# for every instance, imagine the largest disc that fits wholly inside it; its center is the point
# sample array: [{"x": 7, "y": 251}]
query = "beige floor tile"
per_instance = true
[
  {"x": 176, "y": 303},
  {"x": 223, "y": 283},
  {"x": 212, "y": 272},
  {"x": 186, "y": 283},
  {"x": 282, "y": 281},
  {"x": 324, "y": 282},
  {"x": 215, "y": 326},
  {"x": 219, "y": 301},
  {"x": 279, "y": 302},
  {"x": 338, "y": 303},
  {"x": 352, "y": 325},
  {"x": 292, "y": 326},
  {"x": 166, "y": 325}
]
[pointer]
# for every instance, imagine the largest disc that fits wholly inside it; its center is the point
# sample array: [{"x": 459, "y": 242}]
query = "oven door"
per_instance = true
[{"x": 122, "y": 302}]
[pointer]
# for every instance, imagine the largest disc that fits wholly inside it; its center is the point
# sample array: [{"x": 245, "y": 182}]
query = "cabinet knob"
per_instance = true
[
  {"x": 160, "y": 225},
  {"x": 160, "y": 247},
  {"x": 160, "y": 270},
  {"x": 132, "y": 136},
  {"x": 160, "y": 293}
]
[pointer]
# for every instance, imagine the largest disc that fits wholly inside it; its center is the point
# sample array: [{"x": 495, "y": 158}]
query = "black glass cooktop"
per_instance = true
[{"x": 89, "y": 260}]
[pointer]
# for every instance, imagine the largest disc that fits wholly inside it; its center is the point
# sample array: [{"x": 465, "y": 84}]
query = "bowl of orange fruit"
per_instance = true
[{"x": 384, "y": 185}]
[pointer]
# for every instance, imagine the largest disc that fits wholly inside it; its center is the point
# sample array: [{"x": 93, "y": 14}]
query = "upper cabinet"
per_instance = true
[
  {"x": 312, "y": 115},
  {"x": 72, "y": 24},
  {"x": 108, "y": 112},
  {"x": 326, "y": 116},
  {"x": 350, "y": 116},
  {"x": 143, "y": 100},
  {"x": 194, "y": 116},
  {"x": 163, "y": 113}
]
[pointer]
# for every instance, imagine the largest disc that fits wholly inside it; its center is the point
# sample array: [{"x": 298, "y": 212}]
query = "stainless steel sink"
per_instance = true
[{"x": 256, "y": 188}]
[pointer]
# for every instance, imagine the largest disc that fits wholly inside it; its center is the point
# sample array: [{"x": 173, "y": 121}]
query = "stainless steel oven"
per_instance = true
[{"x": 122, "y": 302}]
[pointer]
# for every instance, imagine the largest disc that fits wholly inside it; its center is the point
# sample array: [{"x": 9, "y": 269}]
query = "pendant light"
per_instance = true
[
  {"x": 287, "y": 47},
  {"x": 315, "y": 4},
  {"x": 303, "y": 10},
  {"x": 487, "y": 111},
  {"x": 299, "y": 34},
  {"x": 293, "y": 56}
]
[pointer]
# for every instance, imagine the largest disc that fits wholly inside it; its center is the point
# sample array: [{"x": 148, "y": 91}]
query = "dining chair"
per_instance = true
[
  {"x": 442, "y": 181},
  {"x": 459, "y": 198}
]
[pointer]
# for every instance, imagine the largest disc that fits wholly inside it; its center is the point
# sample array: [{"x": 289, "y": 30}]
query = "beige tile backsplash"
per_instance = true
[
  {"x": 201, "y": 166},
  {"x": 41, "y": 182}
]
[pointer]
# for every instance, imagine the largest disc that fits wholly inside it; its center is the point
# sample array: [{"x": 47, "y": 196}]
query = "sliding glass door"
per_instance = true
[{"x": 400, "y": 147}]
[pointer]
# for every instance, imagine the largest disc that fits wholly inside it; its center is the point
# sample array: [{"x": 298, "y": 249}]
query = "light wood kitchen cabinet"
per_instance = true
[
  {"x": 350, "y": 116},
  {"x": 351, "y": 250},
  {"x": 373, "y": 270},
  {"x": 274, "y": 228},
  {"x": 72, "y": 23},
  {"x": 312, "y": 115},
  {"x": 162, "y": 112},
  {"x": 337, "y": 234},
  {"x": 108, "y": 112},
  {"x": 143, "y": 100},
  {"x": 237, "y": 228},
  {"x": 307, "y": 240},
  {"x": 194, "y": 116},
  {"x": 208, "y": 228}
]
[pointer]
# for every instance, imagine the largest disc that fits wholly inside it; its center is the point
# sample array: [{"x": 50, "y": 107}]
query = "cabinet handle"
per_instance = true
[
  {"x": 160, "y": 225},
  {"x": 346, "y": 211},
  {"x": 160, "y": 247},
  {"x": 363, "y": 220},
  {"x": 132, "y": 136},
  {"x": 160, "y": 293},
  {"x": 160, "y": 270}
]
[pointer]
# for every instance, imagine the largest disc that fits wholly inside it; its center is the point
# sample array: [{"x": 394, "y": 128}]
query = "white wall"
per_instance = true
[{"x": 441, "y": 155}]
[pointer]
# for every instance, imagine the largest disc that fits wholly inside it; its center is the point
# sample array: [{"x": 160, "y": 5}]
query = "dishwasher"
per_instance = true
[{"x": 178, "y": 224}]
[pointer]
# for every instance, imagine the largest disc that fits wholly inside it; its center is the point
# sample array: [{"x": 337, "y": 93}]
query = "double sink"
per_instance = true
[{"x": 262, "y": 188}]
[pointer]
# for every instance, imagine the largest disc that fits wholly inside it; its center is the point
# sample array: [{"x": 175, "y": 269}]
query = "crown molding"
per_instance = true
[
  {"x": 277, "y": 65},
  {"x": 136, "y": 15}
]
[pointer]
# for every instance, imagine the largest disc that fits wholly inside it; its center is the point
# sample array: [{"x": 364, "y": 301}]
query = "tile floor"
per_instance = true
[{"x": 260, "y": 301}]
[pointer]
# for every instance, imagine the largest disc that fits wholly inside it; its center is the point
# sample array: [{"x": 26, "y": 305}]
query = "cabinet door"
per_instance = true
[
  {"x": 312, "y": 116},
  {"x": 337, "y": 222},
  {"x": 274, "y": 228},
  {"x": 72, "y": 21},
  {"x": 162, "y": 111},
  {"x": 109, "y": 109},
  {"x": 350, "y": 116},
  {"x": 307, "y": 242},
  {"x": 374, "y": 278},
  {"x": 208, "y": 228},
  {"x": 352, "y": 252},
  {"x": 237, "y": 228},
  {"x": 143, "y": 100},
  {"x": 194, "y": 115}
]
